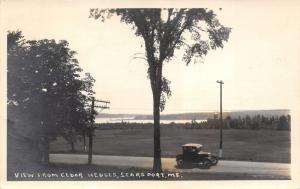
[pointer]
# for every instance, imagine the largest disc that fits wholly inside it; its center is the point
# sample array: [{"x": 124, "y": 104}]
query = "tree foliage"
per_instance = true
[
  {"x": 46, "y": 95},
  {"x": 195, "y": 31}
]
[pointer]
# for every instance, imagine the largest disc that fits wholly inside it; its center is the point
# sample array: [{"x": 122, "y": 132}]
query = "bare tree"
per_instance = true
[{"x": 195, "y": 31}]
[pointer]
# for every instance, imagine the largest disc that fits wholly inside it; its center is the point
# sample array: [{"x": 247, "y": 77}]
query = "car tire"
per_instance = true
[
  {"x": 214, "y": 160},
  {"x": 207, "y": 164},
  {"x": 180, "y": 163}
]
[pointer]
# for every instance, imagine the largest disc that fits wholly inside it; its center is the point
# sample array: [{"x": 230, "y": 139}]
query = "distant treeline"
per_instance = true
[
  {"x": 199, "y": 115},
  {"x": 282, "y": 122}
]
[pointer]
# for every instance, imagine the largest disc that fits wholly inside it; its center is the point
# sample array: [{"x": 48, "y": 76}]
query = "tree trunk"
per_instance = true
[
  {"x": 47, "y": 159},
  {"x": 90, "y": 146},
  {"x": 72, "y": 140},
  {"x": 72, "y": 146},
  {"x": 156, "y": 92},
  {"x": 157, "y": 149},
  {"x": 45, "y": 150},
  {"x": 84, "y": 143}
]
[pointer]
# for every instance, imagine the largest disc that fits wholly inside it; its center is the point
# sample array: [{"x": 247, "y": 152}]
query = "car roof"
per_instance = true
[{"x": 192, "y": 145}]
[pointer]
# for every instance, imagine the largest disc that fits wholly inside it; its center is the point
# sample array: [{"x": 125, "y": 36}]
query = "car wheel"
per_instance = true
[
  {"x": 214, "y": 160},
  {"x": 180, "y": 163},
  {"x": 207, "y": 164}
]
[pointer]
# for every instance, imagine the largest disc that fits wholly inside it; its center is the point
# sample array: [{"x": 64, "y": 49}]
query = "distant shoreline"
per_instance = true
[
  {"x": 198, "y": 115},
  {"x": 163, "y": 121}
]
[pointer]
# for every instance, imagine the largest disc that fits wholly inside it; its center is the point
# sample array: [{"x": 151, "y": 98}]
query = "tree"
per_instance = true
[
  {"x": 46, "y": 96},
  {"x": 88, "y": 84},
  {"x": 283, "y": 123},
  {"x": 195, "y": 31}
]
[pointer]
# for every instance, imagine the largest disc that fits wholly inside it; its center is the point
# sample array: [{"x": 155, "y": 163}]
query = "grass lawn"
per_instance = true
[{"x": 248, "y": 145}]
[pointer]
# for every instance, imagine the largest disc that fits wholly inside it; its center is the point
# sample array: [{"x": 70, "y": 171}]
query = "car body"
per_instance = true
[{"x": 192, "y": 155}]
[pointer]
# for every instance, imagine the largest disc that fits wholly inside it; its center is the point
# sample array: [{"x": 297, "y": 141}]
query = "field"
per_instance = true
[{"x": 248, "y": 145}]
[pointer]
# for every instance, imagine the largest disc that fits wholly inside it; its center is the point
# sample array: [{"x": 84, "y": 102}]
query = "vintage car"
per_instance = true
[{"x": 193, "y": 156}]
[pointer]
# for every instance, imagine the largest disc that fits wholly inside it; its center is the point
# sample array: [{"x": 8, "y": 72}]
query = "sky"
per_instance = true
[{"x": 259, "y": 64}]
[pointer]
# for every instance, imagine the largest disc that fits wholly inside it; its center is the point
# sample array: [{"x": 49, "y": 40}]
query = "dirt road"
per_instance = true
[{"x": 243, "y": 167}]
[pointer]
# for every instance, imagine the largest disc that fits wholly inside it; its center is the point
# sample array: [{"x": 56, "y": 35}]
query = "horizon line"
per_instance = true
[{"x": 208, "y": 111}]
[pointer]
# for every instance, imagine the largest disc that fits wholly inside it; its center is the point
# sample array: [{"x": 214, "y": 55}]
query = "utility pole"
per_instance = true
[
  {"x": 91, "y": 126},
  {"x": 221, "y": 120},
  {"x": 91, "y": 129}
]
